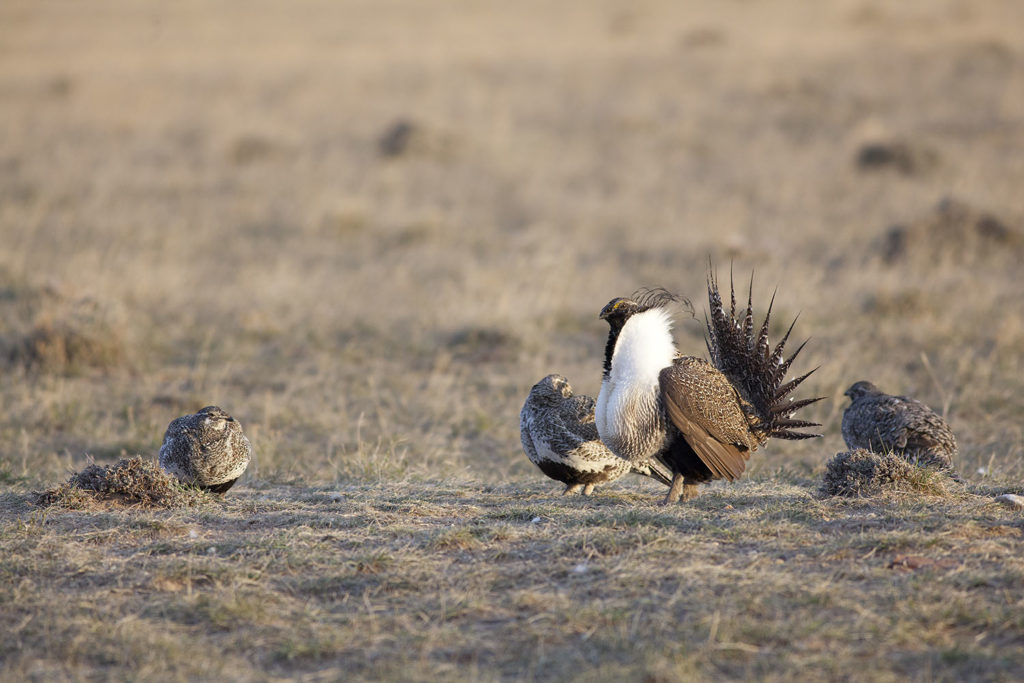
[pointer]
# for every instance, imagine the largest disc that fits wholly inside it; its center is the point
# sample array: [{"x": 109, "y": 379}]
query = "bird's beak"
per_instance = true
[{"x": 610, "y": 308}]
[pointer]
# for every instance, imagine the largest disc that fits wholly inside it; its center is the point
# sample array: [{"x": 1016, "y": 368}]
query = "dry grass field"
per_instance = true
[{"x": 367, "y": 228}]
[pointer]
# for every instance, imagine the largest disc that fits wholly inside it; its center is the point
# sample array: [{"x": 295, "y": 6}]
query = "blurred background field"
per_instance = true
[{"x": 367, "y": 228}]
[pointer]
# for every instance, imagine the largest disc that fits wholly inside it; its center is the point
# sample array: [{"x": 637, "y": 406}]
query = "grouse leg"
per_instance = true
[
  {"x": 571, "y": 489},
  {"x": 675, "y": 490},
  {"x": 588, "y": 489},
  {"x": 681, "y": 490}
]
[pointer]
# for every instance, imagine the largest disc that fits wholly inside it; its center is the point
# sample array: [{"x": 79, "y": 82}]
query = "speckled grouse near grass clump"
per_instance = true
[
  {"x": 559, "y": 436},
  {"x": 879, "y": 422},
  {"x": 701, "y": 419},
  {"x": 206, "y": 449}
]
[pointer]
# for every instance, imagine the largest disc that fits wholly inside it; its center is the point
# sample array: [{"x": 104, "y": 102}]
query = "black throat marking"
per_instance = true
[{"x": 615, "y": 326}]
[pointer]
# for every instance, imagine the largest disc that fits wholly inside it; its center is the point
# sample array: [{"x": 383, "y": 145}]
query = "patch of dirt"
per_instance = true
[
  {"x": 953, "y": 232},
  {"x": 131, "y": 482}
]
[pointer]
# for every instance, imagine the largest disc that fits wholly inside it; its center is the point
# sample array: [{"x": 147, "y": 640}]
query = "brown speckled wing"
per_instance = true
[{"x": 702, "y": 405}]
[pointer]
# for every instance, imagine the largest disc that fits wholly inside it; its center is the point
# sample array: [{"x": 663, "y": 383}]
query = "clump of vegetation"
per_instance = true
[
  {"x": 130, "y": 482},
  {"x": 50, "y": 332},
  {"x": 64, "y": 343},
  {"x": 862, "y": 473},
  {"x": 954, "y": 231},
  {"x": 406, "y": 137},
  {"x": 906, "y": 157}
]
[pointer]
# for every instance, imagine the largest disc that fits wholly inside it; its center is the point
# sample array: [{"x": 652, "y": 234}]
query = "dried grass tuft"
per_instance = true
[
  {"x": 862, "y": 473},
  {"x": 405, "y": 137},
  {"x": 906, "y": 157},
  {"x": 131, "y": 482},
  {"x": 52, "y": 333},
  {"x": 953, "y": 231}
]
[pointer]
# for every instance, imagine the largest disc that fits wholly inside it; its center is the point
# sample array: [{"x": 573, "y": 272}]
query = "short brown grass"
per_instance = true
[
  {"x": 365, "y": 229},
  {"x": 451, "y": 579}
]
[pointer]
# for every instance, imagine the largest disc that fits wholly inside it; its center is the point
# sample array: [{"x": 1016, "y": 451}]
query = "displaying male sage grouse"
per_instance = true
[
  {"x": 559, "y": 436},
  {"x": 879, "y": 422},
  {"x": 701, "y": 419},
  {"x": 207, "y": 449}
]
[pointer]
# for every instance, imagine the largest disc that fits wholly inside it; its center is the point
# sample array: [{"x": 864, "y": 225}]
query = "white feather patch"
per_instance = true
[
  {"x": 644, "y": 348},
  {"x": 575, "y": 459}
]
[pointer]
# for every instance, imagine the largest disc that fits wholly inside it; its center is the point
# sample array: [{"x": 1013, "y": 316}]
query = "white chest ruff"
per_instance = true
[{"x": 627, "y": 414}]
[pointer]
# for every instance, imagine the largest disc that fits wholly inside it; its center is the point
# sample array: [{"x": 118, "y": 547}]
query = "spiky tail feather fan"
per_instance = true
[{"x": 754, "y": 368}]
